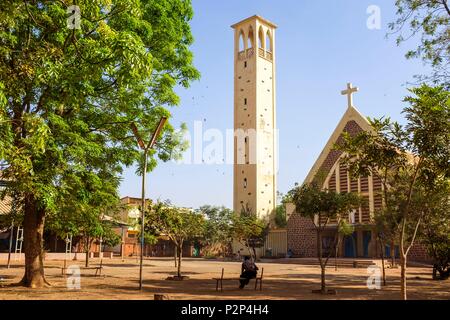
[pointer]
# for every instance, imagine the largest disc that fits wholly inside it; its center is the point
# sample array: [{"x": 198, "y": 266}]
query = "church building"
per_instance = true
[{"x": 335, "y": 177}]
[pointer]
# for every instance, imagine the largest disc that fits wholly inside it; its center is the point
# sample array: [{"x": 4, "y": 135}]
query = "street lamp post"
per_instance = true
[{"x": 146, "y": 149}]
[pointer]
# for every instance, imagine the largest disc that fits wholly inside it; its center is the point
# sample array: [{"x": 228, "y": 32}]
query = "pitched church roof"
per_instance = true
[{"x": 352, "y": 122}]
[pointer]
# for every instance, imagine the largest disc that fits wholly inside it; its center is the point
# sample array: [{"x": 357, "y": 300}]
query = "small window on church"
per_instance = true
[
  {"x": 245, "y": 183},
  {"x": 245, "y": 101},
  {"x": 245, "y": 64}
]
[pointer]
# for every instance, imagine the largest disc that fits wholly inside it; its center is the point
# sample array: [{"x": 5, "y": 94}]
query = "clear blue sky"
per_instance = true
[{"x": 320, "y": 47}]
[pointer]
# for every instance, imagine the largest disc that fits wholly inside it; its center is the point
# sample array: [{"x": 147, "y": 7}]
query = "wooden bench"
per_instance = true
[
  {"x": 98, "y": 269},
  {"x": 219, "y": 281}
]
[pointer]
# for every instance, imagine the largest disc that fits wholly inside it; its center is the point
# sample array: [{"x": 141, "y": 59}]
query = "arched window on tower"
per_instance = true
[
  {"x": 251, "y": 38},
  {"x": 261, "y": 38},
  {"x": 268, "y": 41},
  {"x": 241, "y": 41},
  {"x": 261, "y": 42}
]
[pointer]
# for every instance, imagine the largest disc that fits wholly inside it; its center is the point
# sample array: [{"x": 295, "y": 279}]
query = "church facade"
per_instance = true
[
  {"x": 334, "y": 176},
  {"x": 362, "y": 244}
]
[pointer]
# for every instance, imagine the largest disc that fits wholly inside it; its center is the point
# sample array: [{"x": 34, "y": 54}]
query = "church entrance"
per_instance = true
[
  {"x": 350, "y": 246},
  {"x": 367, "y": 236}
]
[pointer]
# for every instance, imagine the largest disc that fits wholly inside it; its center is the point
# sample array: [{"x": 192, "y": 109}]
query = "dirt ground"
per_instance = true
[{"x": 283, "y": 279}]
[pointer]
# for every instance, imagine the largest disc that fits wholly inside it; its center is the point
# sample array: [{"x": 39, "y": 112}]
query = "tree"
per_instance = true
[
  {"x": 280, "y": 216},
  {"x": 67, "y": 97},
  {"x": 436, "y": 228},
  {"x": 430, "y": 20},
  {"x": 409, "y": 159},
  {"x": 179, "y": 224},
  {"x": 86, "y": 211},
  {"x": 218, "y": 229},
  {"x": 323, "y": 206},
  {"x": 387, "y": 232},
  {"x": 249, "y": 230}
]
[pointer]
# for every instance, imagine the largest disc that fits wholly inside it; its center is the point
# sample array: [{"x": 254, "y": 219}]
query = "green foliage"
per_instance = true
[
  {"x": 218, "y": 228},
  {"x": 311, "y": 201},
  {"x": 67, "y": 96},
  {"x": 345, "y": 229},
  {"x": 110, "y": 238},
  {"x": 430, "y": 20},
  {"x": 280, "y": 216},
  {"x": 249, "y": 230},
  {"x": 179, "y": 224},
  {"x": 436, "y": 231},
  {"x": 321, "y": 206}
]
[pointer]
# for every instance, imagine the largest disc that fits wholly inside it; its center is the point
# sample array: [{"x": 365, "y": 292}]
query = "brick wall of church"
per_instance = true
[
  {"x": 301, "y": 236},
  {"x": 419, "y": 253}
]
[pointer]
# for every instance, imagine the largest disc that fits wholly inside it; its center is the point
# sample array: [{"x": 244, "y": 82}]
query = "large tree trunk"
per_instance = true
[
  {"x": 33, "y": 226},
  {"x": 403, "y": 276}
]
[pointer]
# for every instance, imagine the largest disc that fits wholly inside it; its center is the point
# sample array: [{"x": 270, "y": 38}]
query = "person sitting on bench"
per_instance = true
[{"x": 249, "y": 271}]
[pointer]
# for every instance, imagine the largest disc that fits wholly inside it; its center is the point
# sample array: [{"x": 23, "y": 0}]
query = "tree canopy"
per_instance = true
[
  {"x": 67, "y": 97},
  {"x": 430, "y": 21}
]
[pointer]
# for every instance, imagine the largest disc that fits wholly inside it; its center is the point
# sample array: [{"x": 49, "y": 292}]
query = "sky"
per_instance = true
[{"x": 320, "y": 47}]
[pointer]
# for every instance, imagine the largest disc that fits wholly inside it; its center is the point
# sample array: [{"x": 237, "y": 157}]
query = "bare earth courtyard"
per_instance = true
[{"x": 283, "y": 279}]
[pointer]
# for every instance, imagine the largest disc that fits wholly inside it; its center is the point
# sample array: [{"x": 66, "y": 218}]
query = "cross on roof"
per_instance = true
[{"x": 349, "y": 93}]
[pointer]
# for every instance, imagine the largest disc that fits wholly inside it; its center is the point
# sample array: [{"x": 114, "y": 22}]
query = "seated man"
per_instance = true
[{"x": 249, "y": 271}]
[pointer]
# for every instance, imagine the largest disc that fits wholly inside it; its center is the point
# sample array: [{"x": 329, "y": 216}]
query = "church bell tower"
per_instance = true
[{"x": 255, "y": 117}]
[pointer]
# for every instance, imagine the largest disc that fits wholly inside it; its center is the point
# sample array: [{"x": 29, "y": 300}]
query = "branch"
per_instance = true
[
  {"x": 447, "y": 8},
  {"x": 414, "y": 236}
]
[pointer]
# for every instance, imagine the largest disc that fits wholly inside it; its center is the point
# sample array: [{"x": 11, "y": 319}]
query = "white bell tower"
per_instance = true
[{"x": 255, "y": 117}]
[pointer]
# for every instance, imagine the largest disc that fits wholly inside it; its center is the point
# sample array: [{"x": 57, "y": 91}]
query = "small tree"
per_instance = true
[
  {"x": 179, "y": 224},
  {"x": 218, "y": 229},
  {"x": 280, "y": 216},
  {"x": 249, "y": 230},
  {"x": 322, "y": 206}
]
